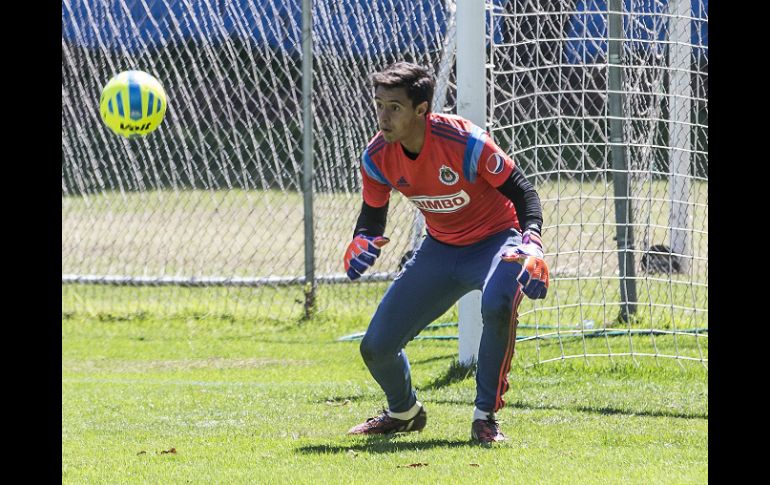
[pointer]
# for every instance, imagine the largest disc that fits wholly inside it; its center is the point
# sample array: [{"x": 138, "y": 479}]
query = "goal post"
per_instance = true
[
  {"x": 472, "y": 105},
  {"x": 680, "y": 222}
]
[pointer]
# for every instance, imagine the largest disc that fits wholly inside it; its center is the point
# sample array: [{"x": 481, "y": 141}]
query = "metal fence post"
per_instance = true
[
  {"x": 620, "y": 174},
  {"x": 307, "y": 154}
]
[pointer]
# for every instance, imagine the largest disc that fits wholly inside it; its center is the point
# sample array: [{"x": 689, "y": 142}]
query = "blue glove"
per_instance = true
[
  {"x": 361, "y": 254},
  {"x": 533, "y": 275}
]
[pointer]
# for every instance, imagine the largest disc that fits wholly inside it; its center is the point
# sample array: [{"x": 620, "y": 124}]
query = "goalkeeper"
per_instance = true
[{"x": 484, "y": 221}]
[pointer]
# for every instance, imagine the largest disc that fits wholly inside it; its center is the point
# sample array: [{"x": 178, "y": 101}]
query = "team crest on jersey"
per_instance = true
[
  {"x": 495, "y": 163},
  {"x": 447, "y": 176}
]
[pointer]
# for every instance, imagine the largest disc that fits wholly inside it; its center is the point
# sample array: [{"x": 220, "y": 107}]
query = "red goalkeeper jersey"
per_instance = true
[{"x": 453, "y": 180}]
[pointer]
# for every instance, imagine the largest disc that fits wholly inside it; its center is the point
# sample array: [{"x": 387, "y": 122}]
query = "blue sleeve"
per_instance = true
[{"x": 473, "y": 149}]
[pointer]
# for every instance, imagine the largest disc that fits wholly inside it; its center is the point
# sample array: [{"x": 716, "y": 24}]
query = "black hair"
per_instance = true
[{"x": 417, "y": 81}]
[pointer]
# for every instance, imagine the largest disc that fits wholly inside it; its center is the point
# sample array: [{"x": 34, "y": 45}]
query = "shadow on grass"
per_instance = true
[
  {"x": 385, "y": 444},
  {"x": 455, "y": 373},
  {"x": 343, "y": 400},
  {"x": 433, "y": 359},
  {"x": 604, "y": 410}
]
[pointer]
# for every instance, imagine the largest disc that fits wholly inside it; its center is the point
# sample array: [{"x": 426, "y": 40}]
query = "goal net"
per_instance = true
[
  {"x": 604, "y": 106},
  {"x": 205, "y": 215}
]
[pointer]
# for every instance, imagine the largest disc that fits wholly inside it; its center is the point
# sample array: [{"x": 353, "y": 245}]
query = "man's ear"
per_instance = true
[{"x": 422, "y": 108}]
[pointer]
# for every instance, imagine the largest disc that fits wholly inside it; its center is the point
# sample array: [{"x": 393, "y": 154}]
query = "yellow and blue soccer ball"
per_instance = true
[{"x": 133, "y": 103}]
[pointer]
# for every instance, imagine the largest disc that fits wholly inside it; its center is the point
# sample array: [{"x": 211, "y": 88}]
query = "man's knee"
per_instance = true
[
  {"x": 367, "y": 349},
  {"x": 376, "y": 350},
  {"x": 496, "y": 308},
  {"x": 373, "y": 350}
]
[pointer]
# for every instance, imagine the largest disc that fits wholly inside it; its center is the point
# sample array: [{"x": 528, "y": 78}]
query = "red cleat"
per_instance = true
[
  {"x": 386, "y": 424},
  {"x": 486, "y": 431}
]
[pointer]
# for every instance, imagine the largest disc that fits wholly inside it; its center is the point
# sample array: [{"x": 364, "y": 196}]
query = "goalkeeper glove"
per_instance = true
[
  {"x": 531, "y": 244},
  {"x": 533, "y": 275},
  {"x": 361, "y": 254}
]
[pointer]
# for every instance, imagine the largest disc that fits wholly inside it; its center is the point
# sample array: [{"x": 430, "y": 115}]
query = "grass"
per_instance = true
[
  {"x": 660, "y": 304},
  {"x": 261, "y": 232},
  {"x": 244, "y": 399},
  {"x": 230, "y": 385},
  {"x": 231, "y": 233}
]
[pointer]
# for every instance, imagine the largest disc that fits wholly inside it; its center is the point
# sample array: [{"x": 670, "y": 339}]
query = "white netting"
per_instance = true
[
  {"x": 551, "y": 108},
  {"x": 215, "y": 194}
]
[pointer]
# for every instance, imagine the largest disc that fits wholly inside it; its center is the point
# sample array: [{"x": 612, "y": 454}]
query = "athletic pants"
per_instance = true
[{"x": 434, "y": 279}]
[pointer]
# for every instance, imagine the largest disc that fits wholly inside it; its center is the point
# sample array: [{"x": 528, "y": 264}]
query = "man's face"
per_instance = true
[{"x": 396, "y": 117}]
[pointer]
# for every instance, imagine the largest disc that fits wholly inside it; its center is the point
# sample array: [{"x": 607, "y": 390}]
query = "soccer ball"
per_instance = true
[{"x": 133, "y": 103}]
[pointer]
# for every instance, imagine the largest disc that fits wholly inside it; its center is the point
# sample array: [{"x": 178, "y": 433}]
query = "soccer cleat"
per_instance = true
[
  {"x": 486, "y": 431},
  {"x": 386, "y": 424}
]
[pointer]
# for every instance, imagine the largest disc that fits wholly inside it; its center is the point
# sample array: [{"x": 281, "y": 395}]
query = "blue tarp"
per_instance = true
[
  {"x": 643, "y": 29},
  {"x": 358, "y": 26},
  {"x": 361, "y": 27}
]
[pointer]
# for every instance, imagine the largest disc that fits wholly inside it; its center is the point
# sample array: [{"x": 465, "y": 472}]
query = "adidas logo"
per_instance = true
[{"x": 402, "y": 182}]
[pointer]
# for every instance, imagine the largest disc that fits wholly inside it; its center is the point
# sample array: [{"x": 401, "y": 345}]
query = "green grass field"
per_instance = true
[
  {"x": 254, "y": 400},
  {"x": 244, "y": 391}
]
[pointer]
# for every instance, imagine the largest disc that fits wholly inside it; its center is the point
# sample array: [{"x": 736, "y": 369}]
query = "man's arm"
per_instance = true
[
  {"x": 367, "y": 241},
  {"x": 534, "y": 274},
  {"x": 372, "y": 220},
  {"x": 525, "y": 199}
]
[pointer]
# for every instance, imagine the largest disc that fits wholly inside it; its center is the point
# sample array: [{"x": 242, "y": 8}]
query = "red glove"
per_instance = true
[
  {"x": 533, "y": 275},
  {"x": 361, "y": 254}
]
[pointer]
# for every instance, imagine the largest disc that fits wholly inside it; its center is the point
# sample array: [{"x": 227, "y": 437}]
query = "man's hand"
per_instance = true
[
  {"x": 534, "y": 275},
  {"x": 531, "y": 244},
  {"x": 361, "y": 254}
]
